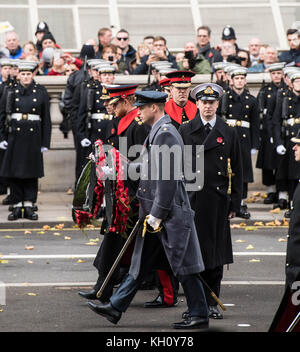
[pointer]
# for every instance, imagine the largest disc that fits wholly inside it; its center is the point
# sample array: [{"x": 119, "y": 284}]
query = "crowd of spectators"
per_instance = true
[{"x": 197, "y": 56}]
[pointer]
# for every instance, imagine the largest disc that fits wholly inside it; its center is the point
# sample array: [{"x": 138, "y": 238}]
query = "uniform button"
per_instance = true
[
  {"x": 287, "y": 236},
  {"x": 97, "y": 92},
  {"x": 290, "y": 106},
  {"x": 31, "y": 129},
  {"x": 269, "y": 95},
  {"x": 289, "y": 98},
  {"x": 144, "y": 190},
  {"x": 18, "y": 128},
  {"x": 219, "y": 173},
  {"x": 246, "y": 116},
  {"x": 112, "y": 143},
  {"x": 292, "y": 133},
  {"x": 230, "y": 115},
  {"x": 221, "y": 158},
  {"x": 230, "y": 96},
  {"x": 140, "y": 189},
  {"x": 33, "y": 109},
  {"x": 17, "y": 109},
  {"x": 17, "y": 90},
  {"x": 99, "y": 129},
  {"x": 291, "y": 115},
  {"x": 270, "y": 88},
  {"x": 17, "y": 99},
  {"x": 34, "y": 99},
  {"x": 199, "y": 187},
  {"x": 230, "y": 105},
  {"x": 244, "y": 135},
  {"x": 287, "y": 264},
  {"x": 218, "y": 188},
  {"x": 247, "y": 106},
  {"x": 246, "y": 97},
  {"x": 97, "y": 101},
  {"x": 34, "y": 91},
  {"x": 198, "y": 171},
  {"x": 198, "y": 155}
]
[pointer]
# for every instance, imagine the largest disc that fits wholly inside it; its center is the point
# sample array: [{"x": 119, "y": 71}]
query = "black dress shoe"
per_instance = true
[
  {"x": 7, "y": 200},
  {"x": 192, "y": 323},
  {"x": 185, "y": 314},
  {"x": 107, "y": 311},
  {"x": 16, "y": 214},
  {"x": 282, "y": 204},
  {"x": 271, "y": 198},
  {"x": 159, "y": 303},
  {"x": 243, "y": 213},
  {"x": 92, "y": 294},
  {"x": 214, "y": 313},
  {"x": 30, "y": 214}
]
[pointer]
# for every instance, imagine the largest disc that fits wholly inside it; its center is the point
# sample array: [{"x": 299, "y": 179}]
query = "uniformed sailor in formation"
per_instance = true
[
  {"x": 240, "y": 110},
  {"x": 25, "y": 132}
]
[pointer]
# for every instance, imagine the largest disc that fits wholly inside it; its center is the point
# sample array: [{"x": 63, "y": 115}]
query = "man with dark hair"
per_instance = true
[
  {"x": 293, "y": 55},
  {"x": 204, "y": 48},
  {"x": 128, "y": 51},
  {"x": 160, "y": 53}
]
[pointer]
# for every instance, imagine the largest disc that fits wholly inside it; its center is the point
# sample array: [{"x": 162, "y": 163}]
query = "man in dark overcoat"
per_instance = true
[
  {"x": 164, "y": 208},
  {"x": 241, "y": 112},
  {"x": 131, "y": 128},
  {"x": 287, "y": 317},
  {"x": 218, "y": 199},
  {"x": 25, "y": 132}
]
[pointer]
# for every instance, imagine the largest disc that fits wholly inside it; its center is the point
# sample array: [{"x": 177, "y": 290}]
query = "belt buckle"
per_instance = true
[
  {"x": 239, "y": 123},
  {"x": 24, "y": 116}
]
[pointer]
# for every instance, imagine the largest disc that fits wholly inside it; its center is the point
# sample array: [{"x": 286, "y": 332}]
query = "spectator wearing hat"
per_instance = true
[
  {"x": 180, "y": 108},
  {"x": 270, "y": 57},
  {"x": 218, "y": 198},
  {"x": 228, "y": 35},
  {"x": 160, "y": 53},
  {"x": 204, "y": 47},
  {"x": 193, "y": 60},
  {"x": 266, "y": 159},
  {"x": 220, "y": 75},
  {"x": 41, "y": 29},
  {"x": 122, "y": 40},
  {"x": 286, "y": 124},
  {"x": 292, "y": 55},
  {"x": 240, "y": 109},
  {"x": 12, "y": 43}
]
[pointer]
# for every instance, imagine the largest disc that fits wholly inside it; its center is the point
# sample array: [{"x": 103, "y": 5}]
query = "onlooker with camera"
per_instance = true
[
  {"x": 293, "y": 55},
  {"x": 204, "y": 48},
  {"x": 29, "y": 49},
  {"x": 244, "y": 56},
  {"x": 109, "y": 53},
  {"x": 228, "y": 51},
  {"x": 193, "y": 60},
  {"x": 160, "y": 53}
]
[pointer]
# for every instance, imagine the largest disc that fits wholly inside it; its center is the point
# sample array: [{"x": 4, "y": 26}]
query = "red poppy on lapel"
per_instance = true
[{"x": 219, "y": 139}]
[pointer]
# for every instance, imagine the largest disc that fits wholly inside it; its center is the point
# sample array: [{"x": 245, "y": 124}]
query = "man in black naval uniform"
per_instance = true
[
  {"x": 135, "y": 131},
  {"x": 287, "y": 317},
  {"x": 165, "y": 210},
  {"x": 241, "y": 112},
  {"x": 218, "y": 199},
  {"x": 86, "y": 102},
  {"x": 266, "y": 158},
  {"x": 25, "y": 132},
  {"x": 286, "y": 122}
]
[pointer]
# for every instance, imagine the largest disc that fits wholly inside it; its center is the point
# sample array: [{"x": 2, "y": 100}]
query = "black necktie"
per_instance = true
[{"x": 207, "y": 128}]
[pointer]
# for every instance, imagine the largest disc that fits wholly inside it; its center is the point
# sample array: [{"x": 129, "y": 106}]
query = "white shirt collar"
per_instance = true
[{"x": 211, "y": 122}]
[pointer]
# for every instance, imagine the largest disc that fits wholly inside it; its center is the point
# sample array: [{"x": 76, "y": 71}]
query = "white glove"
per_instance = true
[
  {"x": 271, "y": 140},
  {"x": 280, "y": 149},
  {"x": 253, "y": 151},
  {"x": 85, "y": 142},
  {"x": 107, "y": 170},
  {"x": 3, "y": 145},
  {"x": 44, "y": 149},
  {"x": 153, "y": 222}
]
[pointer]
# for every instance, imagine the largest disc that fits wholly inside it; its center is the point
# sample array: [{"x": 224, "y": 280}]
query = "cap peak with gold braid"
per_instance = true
[
  {"x": 180, "y": 79},
  {"x": 207, "y": 91},
  {"x": 120, "y": 92}
]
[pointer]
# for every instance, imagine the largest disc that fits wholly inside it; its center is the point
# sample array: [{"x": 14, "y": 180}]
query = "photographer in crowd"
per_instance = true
[{"x": 193, "y": 60}]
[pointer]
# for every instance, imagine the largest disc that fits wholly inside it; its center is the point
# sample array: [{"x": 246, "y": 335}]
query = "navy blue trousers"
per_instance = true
[{"x": 154, "y": 257}]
